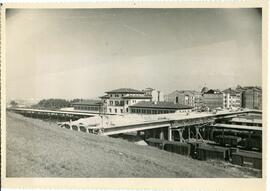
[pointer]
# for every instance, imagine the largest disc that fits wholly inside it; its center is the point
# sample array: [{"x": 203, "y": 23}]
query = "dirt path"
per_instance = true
[{"x": 41, "y": 149}]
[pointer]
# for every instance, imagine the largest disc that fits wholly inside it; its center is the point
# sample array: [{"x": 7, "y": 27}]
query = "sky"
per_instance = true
[{"x": 81, "y": 53}]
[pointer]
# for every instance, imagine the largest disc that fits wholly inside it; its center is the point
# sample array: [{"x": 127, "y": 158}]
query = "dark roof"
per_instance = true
[
  {"x": 249, "y": 88},
  {"x": 188, "y": 92},
  {"x": 212, "y": 91},
  {"x": 137, "y": 97},
  {"x": 148, "y": 90},
  {"x": 88, "y": 102},
  {"x": 231, "y": 91},
  {"x": 126, "y": 90},
  {"x": 105, "y": 97},
  {"x": 162, "y": 105}
]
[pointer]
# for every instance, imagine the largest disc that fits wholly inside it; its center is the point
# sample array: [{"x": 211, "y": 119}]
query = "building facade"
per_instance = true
[
  {"x": 232, "y": 98},
  {"x": 185, "y": 97},
  {"x": 95, "y": 106},
  {"x": 118, "y": 101},
  {"x": 151, "y": 108},
  {"x": 251, "y": 97},
  {"x": 156, "y": 95},
  {"x": 213, "y": 99}
]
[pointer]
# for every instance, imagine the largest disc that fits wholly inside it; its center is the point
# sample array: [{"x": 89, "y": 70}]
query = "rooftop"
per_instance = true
[
  {"x": 188, "y": 91},
  {"x": 231, "y": 91},
  {"x": 136, "y": 97},
  {"x": 249, "y": 88},
  {"x": 163, "y": 105},
  {"x": 105, "y": 97},
  {"x": 126, "y": 90},
  {"x": 213, "y": 91}
]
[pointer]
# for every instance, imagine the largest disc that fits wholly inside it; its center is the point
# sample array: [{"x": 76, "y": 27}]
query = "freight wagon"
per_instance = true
[
  {"x": 227, "y": 140},
  {"x": 254, "y": 143},
  {"x": 156, "y": 143},
  {"x": 205, "y": 152},
  {"x": 179, "y": 148},
  {"x": 247, "y": 158}
]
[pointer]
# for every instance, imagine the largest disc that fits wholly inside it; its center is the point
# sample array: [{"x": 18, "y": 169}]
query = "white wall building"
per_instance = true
[
  {"x": 118, "y": 101},
  {"x": 157, "y": 95},
  {"x": 232, "y": 98}
]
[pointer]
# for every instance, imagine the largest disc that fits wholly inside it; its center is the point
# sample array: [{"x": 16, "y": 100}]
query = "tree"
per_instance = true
[
  {"x": 52, "y": 104},
  {"x": 204, "y": 89},
  {"x": 13, "y": 103}
]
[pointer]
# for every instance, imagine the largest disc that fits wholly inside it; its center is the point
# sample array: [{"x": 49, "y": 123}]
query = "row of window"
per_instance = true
[
  {"x": 90, "y": 108},
  {"x": 118, "y": 103},
  {"x": 121, "y": 103},
  {"x": 121, "y": 95},
  {"x": 115, "y": 110},
  {"x": 151, "y": 111}
]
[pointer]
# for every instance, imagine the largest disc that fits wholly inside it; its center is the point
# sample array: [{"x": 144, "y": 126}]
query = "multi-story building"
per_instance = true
[
  {"x": 232, "y": 98},
  {"x": 251, "y": 97},
  {"x": 185, "y": 97},
  {"x": 118, "y": 101},
  {"x": 213, "y": 99},
  {"x": 156, "y": 95},
  {"x": 150, "y": 107}
]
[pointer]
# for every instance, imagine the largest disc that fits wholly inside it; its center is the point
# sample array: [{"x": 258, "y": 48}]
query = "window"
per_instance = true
[
  {"x": 176, "y": 100},
  {"x": 115, "y": 110},
  {"x": 127, "y": 102},
  {"x": 110, "y": 110},
  {"x": 121, "y": 110},
  {"x": 126, "y": 109}
]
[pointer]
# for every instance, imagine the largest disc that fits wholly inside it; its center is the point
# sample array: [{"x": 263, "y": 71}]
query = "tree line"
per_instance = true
[
  {"x": 50, "y": 103},
  {"x": 55, "y": 103}
]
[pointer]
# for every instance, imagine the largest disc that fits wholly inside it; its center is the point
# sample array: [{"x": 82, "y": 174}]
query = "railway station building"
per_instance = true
[
  {"x": 118, "y": 101},
  {"x": 89, "y": 105},
  {"x": 158, "y": 107}
]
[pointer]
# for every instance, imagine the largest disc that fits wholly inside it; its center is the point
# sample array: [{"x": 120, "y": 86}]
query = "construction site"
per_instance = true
[{"x": 233, "y": 137}]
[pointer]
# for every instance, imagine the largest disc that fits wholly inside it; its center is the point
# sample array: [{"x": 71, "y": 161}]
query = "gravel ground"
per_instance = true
[{"x": 36, "y": 148}]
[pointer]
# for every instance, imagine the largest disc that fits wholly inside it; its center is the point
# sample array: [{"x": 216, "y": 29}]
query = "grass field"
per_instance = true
[{"x": 36, "y": 148}]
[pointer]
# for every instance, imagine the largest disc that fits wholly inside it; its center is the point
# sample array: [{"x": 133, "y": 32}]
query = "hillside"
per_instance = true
[{"x": 37, "y": 148}]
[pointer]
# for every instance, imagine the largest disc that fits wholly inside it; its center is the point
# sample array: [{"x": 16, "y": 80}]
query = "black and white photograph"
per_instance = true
[{"x": 134, "y": 93}]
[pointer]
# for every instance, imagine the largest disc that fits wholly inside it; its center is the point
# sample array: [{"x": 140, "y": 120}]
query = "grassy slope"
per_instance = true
[{"x": 41, "y": 149}]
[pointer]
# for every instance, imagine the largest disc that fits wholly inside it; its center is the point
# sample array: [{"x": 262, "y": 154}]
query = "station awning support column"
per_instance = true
[{"x": 169, "y": 133}]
